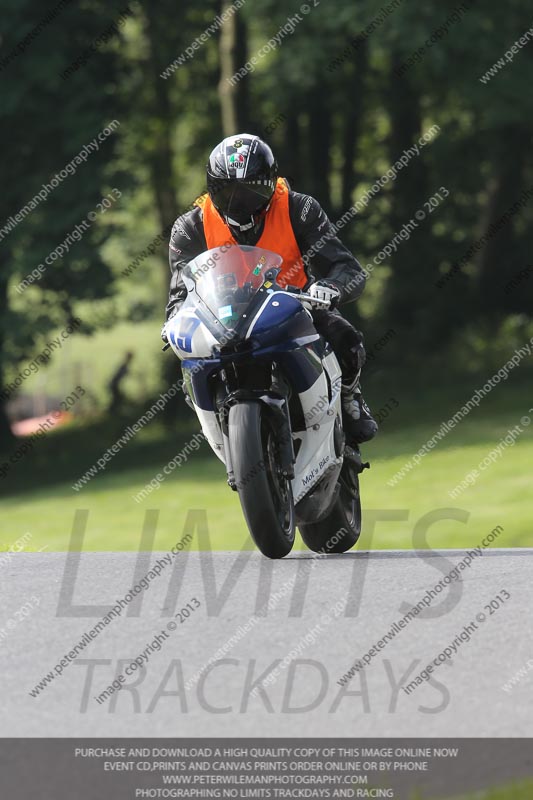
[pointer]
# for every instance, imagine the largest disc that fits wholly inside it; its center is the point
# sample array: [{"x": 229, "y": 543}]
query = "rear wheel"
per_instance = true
[
  {"x": 265, "y": 493},
  {"x": 340, "y": 529}
]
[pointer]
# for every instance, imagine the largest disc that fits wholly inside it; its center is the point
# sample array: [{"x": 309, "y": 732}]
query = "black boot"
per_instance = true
[{"x": 359, "y": 424}]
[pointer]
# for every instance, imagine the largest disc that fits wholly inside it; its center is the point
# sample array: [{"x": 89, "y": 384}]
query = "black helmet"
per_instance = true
[{"x": 241, "y": 179}]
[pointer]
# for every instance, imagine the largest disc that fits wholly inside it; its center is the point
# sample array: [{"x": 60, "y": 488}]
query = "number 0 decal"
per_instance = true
[{"x": 187, "y": 329}]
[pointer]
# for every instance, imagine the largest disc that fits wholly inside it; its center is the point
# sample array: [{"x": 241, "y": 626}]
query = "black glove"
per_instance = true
[{"x": 165, "y": 337}]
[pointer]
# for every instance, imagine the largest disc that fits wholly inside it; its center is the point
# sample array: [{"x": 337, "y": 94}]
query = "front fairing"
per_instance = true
[
  {"x": 234, "y": 303},
  {"x": 236, "y": 330}
]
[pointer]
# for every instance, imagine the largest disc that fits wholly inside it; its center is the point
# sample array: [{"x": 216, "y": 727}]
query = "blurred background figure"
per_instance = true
[{"x": 116, "y": 406}]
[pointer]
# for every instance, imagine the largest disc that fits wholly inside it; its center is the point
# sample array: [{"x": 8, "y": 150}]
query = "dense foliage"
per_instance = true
[{"x": 346, "y": 90}]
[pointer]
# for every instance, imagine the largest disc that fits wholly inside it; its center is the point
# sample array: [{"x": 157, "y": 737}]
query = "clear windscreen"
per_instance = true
[{"x": 227, "y": 278}]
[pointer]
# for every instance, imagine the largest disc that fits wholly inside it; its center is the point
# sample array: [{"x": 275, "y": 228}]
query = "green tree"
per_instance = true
[{"x": 45, "y": 122}]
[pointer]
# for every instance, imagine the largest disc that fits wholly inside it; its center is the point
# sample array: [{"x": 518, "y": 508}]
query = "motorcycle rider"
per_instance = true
[{"x": 247, "y": 203}]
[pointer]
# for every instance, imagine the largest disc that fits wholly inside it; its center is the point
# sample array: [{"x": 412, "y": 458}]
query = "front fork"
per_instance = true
[{"x": 274, "y": 405}]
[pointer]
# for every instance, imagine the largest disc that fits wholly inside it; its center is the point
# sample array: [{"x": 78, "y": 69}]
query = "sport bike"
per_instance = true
[{"x": 267, "y": 391}]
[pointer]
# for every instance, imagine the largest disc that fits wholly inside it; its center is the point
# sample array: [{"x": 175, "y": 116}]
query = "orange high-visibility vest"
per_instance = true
[{"x": 278, "y": 235}]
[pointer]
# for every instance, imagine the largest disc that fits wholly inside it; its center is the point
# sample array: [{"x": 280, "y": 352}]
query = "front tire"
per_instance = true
[{"x": 265, "y": 494}]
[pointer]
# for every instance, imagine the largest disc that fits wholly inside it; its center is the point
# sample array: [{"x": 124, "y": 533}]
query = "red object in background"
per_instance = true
[{"x": 25, "y": 427}]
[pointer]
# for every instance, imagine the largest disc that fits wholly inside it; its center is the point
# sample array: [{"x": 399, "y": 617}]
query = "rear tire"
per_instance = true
[
  {"x": 340, "y": 529},
  {"x": 265, "y": 495}
]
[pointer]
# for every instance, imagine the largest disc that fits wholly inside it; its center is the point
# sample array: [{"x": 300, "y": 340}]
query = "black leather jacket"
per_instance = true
[{"x": 331, "y": 260}]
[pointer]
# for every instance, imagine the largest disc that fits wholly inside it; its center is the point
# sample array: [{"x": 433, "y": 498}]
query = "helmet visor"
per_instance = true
[{"x": 242, "y": 199}]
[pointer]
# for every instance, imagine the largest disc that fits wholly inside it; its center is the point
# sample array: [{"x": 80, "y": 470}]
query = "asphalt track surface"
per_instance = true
[{"x": 464, "y": 697}]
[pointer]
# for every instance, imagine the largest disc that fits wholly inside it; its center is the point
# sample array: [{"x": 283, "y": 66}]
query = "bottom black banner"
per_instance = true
[{"x": 125, "y": 769}]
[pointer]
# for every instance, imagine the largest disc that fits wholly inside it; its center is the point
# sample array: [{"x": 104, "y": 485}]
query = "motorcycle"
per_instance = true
[{"x": 266, "y": 389}]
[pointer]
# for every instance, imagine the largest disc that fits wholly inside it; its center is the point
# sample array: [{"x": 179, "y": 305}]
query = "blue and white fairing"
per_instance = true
[{"x": 235, "y": 313}]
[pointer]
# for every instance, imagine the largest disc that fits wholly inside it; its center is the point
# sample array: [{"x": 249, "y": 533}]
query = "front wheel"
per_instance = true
[{"x": 265, "y": 493}]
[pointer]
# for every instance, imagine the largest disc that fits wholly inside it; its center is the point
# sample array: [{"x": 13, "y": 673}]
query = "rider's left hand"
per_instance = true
[{"x": 326, "y": 291}]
